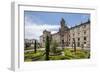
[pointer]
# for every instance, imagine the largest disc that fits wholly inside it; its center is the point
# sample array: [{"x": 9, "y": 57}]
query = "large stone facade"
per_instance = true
[
  {"x": 43, "y": 37},
  {"x": 65, "y": 36}
]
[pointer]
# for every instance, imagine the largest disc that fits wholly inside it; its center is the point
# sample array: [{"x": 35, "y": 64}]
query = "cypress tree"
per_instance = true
[
  {"x": 74, "y": 45},
  {"x": 35, "y": 46},
  {"x": 47, "y": 48}
]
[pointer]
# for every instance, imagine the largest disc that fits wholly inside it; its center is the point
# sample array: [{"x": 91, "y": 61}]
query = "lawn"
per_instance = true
[
  {"x": 68, "y": 55},
  {"x": 79, "y": 54},
  {"x": 30, "y": 56}
]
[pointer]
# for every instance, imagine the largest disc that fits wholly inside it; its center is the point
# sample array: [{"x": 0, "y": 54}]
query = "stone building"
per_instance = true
[
  {"x": 65, "y": 36},
  {"x": 29, "y": 42},
  {"x": 43, "y": 37}
]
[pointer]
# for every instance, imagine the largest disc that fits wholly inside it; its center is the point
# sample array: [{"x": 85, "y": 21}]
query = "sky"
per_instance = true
[{"x": 35, "y": 22}]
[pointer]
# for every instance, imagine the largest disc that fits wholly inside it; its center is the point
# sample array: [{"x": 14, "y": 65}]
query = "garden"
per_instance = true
[
  {"x": 52, "y": 52},
  {"x": 68, "y": 55}
]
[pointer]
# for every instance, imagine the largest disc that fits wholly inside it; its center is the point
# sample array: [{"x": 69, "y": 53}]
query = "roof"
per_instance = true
[
  {"x": 55, "y": 33},
  {"x": 85, "y": 23}
]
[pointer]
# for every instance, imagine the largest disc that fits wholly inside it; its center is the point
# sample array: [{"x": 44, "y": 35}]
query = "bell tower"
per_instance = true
[
  {"x": 62, "y": 22},
  {"x": 63, "y": 33},
  {"x": 62, "y": 30}
]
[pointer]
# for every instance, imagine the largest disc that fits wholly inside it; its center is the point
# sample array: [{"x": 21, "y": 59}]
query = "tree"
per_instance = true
[
  {"x": 63, "y": 43},
  {"x": 54, "y": 46},
  {"x": 35, "y": 47},
  {"x": 47, "y": 47},
  {"x": 74, "y": 45},
  {"x": 27, "y": 45}
]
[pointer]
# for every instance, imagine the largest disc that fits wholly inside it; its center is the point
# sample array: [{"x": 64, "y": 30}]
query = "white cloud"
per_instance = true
[
  {"x": 34, "y": 31},
  {"x": 34, "y": 27}
]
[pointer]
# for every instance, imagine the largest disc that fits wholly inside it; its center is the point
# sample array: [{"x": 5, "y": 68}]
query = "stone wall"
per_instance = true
[{"x": 81, "y": 34}]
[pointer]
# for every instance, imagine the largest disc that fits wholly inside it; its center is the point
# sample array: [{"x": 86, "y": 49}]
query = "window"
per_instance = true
[
  {"x": 84, "y": 42},
  {"x": 62, "y": 41},
  {"x": 78, "y": 33},
  {"x": 73, "y": 39},
  {"x": 62, "y": 35},
  {"x": 78, "y": 39},
  {"x": 67, "y": 43},
  {"x": 85, "y": 38},
  {"x": 73, "y": 34},
  {"x": 84, "y": 32},
  {"x": 84, "y": 26}
]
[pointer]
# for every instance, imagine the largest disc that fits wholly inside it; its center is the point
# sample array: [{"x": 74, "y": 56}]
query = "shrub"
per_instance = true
[
  {"x": 54, "y": 49},
  {"x": 27, "y": 45}
]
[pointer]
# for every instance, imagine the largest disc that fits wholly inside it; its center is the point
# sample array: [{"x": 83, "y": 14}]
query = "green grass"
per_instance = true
[
  {"x": 58, "y": 57},
  {"x": 79, "y": 54},
  {"x": 69, "y": 54},
  {"x": 29, "y": 56},
  {"x": 29, "y": 48}
]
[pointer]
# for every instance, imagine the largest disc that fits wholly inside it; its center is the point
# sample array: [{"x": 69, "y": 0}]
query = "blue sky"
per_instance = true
[{"x": 39, "y": 21}]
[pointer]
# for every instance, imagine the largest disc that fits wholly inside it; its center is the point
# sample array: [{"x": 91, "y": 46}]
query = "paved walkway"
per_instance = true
[{"x": 33, "y": 49}]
